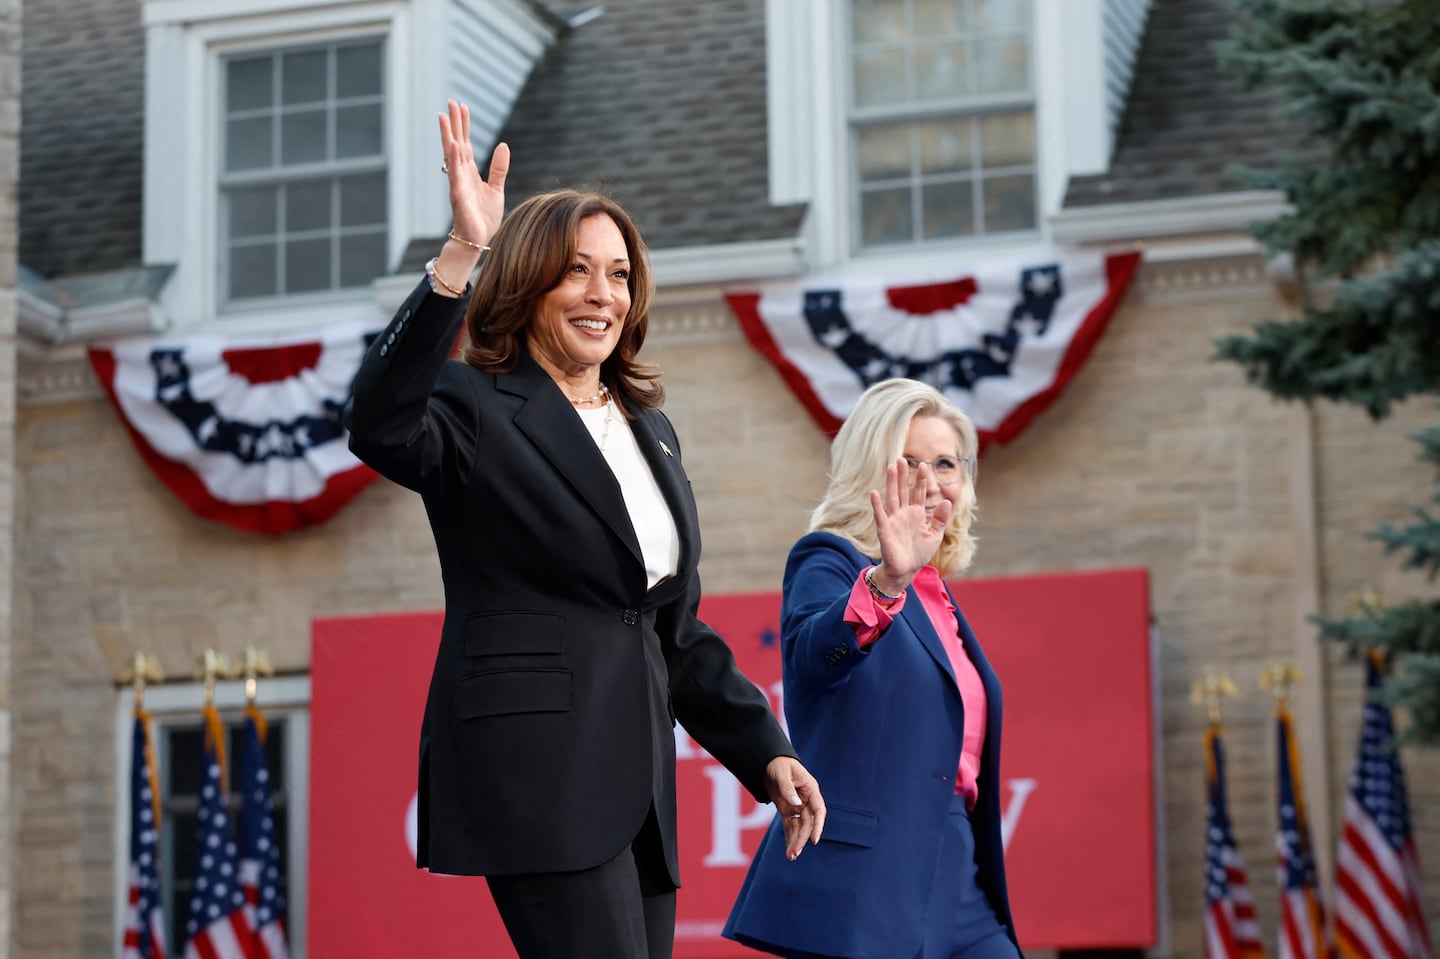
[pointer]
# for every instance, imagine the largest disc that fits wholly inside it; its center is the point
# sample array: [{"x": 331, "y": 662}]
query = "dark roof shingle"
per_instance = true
[
  {"x": 1187, "y": 119},
  {"x": 664, "y": 105}
]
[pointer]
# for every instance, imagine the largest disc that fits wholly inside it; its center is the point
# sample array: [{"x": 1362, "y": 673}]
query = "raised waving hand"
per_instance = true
[
  {"x": 910, "y": 521},
  {"x": 476, "y": 203}
]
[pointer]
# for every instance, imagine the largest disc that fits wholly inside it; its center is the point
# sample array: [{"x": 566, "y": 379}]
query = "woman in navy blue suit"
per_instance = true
[{"x": 892, "y": 704}]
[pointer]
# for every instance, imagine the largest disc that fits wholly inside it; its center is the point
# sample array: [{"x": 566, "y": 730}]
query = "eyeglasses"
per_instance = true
[{"x": 947, "y": 469}]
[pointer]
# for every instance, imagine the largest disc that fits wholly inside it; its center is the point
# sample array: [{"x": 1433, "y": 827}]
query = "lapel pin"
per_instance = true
[{"x": 666, "y": 448}]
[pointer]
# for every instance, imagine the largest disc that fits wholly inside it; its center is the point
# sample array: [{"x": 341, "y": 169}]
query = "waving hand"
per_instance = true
[
  {"x": 909, "y": 531},
  {"x": 476, "y": 204}
]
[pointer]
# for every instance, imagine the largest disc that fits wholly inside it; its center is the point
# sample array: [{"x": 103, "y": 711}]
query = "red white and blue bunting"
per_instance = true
[
  {"x": 246, "y": 433},
  {"x": 1001, "y": 340}
]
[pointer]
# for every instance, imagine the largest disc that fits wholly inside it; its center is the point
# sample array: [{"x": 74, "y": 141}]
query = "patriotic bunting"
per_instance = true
[
  {"x": 246, "y": 433},
  {"x": 1001, "y": 341}
]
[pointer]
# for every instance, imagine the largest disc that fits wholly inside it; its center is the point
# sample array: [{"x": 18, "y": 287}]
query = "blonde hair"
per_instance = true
[{"x": 872, "y": 438}]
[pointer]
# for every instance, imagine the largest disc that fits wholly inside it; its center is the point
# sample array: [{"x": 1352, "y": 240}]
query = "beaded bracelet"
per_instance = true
[
  {"x": 877, "y": 592},
  {"x": 436, "y": 278}
]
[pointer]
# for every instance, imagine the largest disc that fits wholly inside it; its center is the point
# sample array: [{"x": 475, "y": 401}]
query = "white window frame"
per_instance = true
[
  {"x": 811, "y": 161},
  {"x": 185, "y": 42},
  {"x": 284, "y": 696}
]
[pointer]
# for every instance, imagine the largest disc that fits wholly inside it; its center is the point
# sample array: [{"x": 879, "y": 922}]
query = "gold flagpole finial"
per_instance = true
[
  {"x": 253, "y": 664},
  {"x": 139, "y": 670},
  {"x": 1209, "y": 688},
  {"x": 1366, "y": 601},
  {"x": 210, "y": 667},
  {"x": 1278, "y": 676}
]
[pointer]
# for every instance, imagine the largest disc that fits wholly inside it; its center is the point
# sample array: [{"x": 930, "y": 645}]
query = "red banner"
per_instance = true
[{"x": 1072, "y": 652}]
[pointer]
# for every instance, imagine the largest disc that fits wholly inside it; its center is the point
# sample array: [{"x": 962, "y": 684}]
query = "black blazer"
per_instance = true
[{"x": 548, "y": 728}]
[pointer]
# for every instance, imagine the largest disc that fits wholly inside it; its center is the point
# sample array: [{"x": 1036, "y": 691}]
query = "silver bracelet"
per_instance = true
[{"x": 877, "y": 592}]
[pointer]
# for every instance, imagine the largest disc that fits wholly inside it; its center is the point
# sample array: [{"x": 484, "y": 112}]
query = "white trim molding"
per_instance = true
[{"x": 1151, "y": 219}]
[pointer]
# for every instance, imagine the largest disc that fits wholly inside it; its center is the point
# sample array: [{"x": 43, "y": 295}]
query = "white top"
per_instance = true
[{"x": 649, "y": 514}]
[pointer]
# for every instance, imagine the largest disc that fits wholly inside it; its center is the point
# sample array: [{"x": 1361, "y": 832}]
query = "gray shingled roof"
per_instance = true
[
  {"x": 1187, "y": 119},
  {"x": 82, "y": 122},
  {"x": 664, "y": 104}
]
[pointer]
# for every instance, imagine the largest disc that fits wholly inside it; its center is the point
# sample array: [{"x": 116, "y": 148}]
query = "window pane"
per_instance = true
[
  {"x": 302, "y": 137},
  {"x": 1008, "y": 140},
  {"x": 1002, "y": 16},
  {"x": 307, "y": 206},
  {"x": 357, "y": 70},
  {"x": 935, "y": 18},
  {"x": 362, "y": 258},
  {"x": 879, "y": 77},
  {"x": 252, "y": 273},
  {"x": 945, "y": 146},
  {"x": 357, "y": 131},
  {"x": 183, "y": 760},
  {"x": 1003, "y": 65},
  {"x": 307, "y": 266},
  {"x": 303, "y": 77},
  {"x": 949, "y": 209},
  {"x": 878, "y": 20},
  {"x": 1009, "y": 203},
  {"x": 249, "y": 83},
  {"x": 884, "y": 152},
  {"x": 942, "y": 70},
  {"x": 252, "y": 211},
  {"x": 248, "y": 143},
  {"x": 885, "y": 216},
  {"x": 363, "y": 200}
]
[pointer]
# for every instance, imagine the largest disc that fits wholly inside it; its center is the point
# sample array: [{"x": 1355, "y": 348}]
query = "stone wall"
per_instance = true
[{"x": 1155, "y": 457}]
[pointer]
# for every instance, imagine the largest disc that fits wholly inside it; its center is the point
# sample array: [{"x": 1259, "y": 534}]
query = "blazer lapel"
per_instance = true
[
  {"x": 919, "y": 620},
  {"x": 670, "y": 477},
  {"x": 547, "y": 420}
]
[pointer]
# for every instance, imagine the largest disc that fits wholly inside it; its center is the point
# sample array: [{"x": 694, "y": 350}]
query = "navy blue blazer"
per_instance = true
[{"x": 881, "y": 729}]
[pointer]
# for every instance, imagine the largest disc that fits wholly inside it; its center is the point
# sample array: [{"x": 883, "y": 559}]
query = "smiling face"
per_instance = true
[
  {"x": 578, "y": 323},
  {"x": 929, "y": 439}
]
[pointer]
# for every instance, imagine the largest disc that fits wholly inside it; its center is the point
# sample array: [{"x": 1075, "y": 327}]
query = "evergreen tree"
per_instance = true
[{"x": 1361, "y": 80}]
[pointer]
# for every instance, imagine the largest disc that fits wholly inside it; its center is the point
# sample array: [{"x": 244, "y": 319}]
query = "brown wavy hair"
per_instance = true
[{"x": 529, "y": 255}]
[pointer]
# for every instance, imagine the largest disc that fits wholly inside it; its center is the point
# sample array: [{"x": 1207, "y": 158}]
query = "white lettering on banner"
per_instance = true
[
  {"x": 1020, "y": 790},
  {"x": 726, "y": 823},
  {"x": 412, "y": 826},
  {"x": 685, "y": 747}
]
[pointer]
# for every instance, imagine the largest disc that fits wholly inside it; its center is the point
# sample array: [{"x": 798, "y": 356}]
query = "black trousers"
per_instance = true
[{"x": 621, "y": 909}]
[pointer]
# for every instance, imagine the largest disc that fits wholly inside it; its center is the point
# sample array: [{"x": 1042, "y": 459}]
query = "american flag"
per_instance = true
[
  {"x": 1378, "y": 913},
  {"x": 1302, "y": 913},
  {"x": 1230, "y": 928},
  {"x": 144, "y": 918},
  {"x": 260, "y": 854},
  {"x": 217, "y": 927}
]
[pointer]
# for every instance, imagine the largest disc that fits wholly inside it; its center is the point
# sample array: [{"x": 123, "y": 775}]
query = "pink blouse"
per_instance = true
[{"x": 870, "y": 620}]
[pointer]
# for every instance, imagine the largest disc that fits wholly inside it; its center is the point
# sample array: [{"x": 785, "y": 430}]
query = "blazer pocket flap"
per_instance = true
[
  {"x": 514, "y": 634},
  {"x": 509, "y": 691},
  {"x": 854, "y": 827}
]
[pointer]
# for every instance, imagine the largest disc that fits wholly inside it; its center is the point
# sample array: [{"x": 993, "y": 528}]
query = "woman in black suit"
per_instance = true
[{"x": 568, "y": 544}]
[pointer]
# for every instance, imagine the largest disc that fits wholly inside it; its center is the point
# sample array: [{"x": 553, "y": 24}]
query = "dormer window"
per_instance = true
[
  {"x": 942, "y": 120},
  {"x": 303, "y": 200}
]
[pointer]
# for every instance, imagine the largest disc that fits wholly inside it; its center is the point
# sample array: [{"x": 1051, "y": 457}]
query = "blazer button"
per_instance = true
[
  {"x": 384, "y": 348},
  {"x": 631, "y": 617}
]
